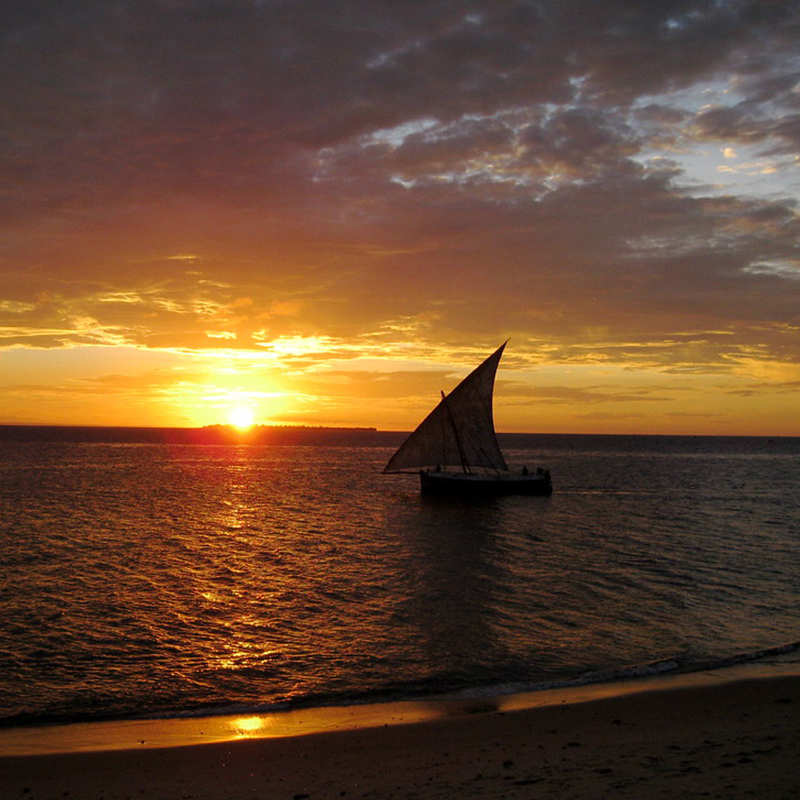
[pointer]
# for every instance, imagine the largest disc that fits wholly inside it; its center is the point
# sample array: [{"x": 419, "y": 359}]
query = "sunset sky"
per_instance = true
[{"x": 325, "y": 212}]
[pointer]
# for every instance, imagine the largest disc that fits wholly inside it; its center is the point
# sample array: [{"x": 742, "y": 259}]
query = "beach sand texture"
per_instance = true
[{"x": 727, "y": 740}]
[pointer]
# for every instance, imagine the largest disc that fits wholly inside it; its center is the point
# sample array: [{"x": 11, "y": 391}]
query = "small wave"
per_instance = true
[
  {"x": 416, "y": 691},
  {"x": 627, "y": 673},
  {"x": 747, "y": 657},
  {"x": 676, "y": 665}
]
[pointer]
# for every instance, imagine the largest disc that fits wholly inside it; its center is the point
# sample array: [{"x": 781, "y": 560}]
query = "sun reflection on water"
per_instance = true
[{"x": 248, "y": 725}]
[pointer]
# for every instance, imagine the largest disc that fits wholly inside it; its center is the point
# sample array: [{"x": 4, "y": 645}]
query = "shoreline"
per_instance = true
[
  {"x": 193, "y": 730},
  {"x": 727, "y": 736}
]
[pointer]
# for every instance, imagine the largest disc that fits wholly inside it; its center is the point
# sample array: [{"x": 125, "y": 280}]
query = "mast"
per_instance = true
[{"x": 464, "y": 462}]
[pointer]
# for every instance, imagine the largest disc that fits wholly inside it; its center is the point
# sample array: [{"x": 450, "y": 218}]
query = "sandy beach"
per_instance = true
[{"x": 720, "y": 739}]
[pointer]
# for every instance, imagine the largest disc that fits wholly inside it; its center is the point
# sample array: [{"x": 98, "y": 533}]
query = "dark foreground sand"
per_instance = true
[{"x": 722, "y": 740}]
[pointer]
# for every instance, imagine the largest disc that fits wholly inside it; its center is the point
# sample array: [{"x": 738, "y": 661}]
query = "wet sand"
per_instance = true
[{"x": 723, "y": 738}]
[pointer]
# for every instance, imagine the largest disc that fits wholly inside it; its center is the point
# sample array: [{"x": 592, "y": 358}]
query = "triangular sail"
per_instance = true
[{"x": 459, "y": 432}]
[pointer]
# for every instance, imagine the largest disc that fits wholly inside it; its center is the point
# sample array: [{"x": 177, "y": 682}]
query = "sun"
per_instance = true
[{"x": 241, "y": 417}]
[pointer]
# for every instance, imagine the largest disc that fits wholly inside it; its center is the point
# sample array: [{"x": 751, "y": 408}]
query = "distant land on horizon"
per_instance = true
[
  {"x": 210, "y": 434},
  {"x": 219, "y": 434}
]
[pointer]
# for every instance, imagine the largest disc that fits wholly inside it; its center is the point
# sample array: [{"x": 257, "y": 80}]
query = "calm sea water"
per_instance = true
[{"x": 157, "y": 579}]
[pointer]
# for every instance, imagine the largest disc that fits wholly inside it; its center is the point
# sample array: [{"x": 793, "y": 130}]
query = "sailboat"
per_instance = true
[{"x": 455, "y": 447}]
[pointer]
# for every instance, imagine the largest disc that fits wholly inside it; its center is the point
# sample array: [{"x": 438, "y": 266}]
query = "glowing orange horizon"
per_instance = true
[{"x": 332, "y": 387}]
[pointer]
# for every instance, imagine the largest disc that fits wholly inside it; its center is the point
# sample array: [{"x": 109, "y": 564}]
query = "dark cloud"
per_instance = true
[{"x": 215, "y": 174}]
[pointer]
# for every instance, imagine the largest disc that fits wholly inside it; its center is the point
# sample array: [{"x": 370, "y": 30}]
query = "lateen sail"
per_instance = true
[{"x": 459, "y": 432}]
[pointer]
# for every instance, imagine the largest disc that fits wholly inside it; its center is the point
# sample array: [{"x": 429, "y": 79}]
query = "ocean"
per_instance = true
[{"x": 168, "y": 579}]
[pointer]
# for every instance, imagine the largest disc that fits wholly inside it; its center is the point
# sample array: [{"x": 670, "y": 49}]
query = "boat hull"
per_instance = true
[{"x": 470, "y": 484}]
